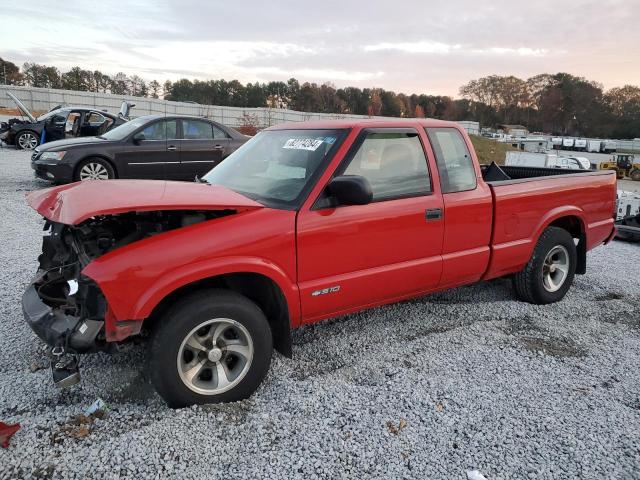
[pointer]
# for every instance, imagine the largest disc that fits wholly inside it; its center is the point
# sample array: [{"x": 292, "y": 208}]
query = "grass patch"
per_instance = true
[{"x": 489, "y": 150}]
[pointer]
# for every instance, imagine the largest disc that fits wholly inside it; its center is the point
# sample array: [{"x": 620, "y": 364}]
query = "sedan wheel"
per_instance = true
[
  {"x": 27, "y": 141},
  {"x": 94, "y": 171}
]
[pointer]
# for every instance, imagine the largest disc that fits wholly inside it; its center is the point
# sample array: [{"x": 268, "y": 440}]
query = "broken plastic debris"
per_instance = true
[
  {"x": 6, "y": 432},
  {"x": 475, "y": 475},
  {"x": 396, "y": 429},
  {"x": 96, "y": 409}
]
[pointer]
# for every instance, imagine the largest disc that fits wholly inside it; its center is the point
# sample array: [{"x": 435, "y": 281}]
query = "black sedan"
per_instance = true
[
  {"x": 60, "y": 123},
  {"x": 152, "y": 146}
]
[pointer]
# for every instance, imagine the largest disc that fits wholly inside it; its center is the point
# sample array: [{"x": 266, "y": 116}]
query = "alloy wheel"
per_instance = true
[
  {"x": 215, "y": 356},
  {"x": 555, "y": 268},
  {"x": 94, "y": 171},
  {"x": 27, "y": 141}
]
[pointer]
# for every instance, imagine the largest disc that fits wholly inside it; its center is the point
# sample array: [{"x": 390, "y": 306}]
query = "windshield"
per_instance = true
[
  {"x": 277, "y": 167},
  {"x": 124, "y": 130}
]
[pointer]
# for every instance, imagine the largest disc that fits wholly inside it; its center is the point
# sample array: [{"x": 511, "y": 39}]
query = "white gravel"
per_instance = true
[{"x": 431, "y": 388}]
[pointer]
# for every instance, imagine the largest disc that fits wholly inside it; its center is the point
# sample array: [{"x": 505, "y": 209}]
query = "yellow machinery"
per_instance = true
[{"x": 624, "y": 166}]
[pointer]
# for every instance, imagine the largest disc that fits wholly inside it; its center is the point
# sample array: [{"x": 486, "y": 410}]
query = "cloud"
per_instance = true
[
  {"x": 422, "y": 47},
  {"x": 438, "y": 48},
  {"x": 414, "y": 47},
  {"x": 319, "y": 74}
]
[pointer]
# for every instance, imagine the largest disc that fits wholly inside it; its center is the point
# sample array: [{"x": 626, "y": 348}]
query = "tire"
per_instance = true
[
  {"x": 541, "y": 281},
  {"x": 635, "y": 175},
  {"x": 27, "y": 140},
  {"x": 173, "y": 360},
  {"x": 94, "y": 169}
]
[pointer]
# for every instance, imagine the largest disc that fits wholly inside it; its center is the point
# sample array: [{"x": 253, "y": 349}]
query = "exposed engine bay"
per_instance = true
[{"x": 65, "y": 308}]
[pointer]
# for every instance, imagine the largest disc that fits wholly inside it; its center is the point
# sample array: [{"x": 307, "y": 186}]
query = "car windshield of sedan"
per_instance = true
[
  {"x": 275, "y": 166},
  {"x": 124, "y": 130}
]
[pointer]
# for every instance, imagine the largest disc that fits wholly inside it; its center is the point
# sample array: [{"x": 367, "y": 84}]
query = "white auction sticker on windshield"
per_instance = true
[{"x": 311, "y": 144}]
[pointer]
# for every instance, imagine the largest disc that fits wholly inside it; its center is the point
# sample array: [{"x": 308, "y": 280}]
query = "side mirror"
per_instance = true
[
  {"x": 138, "y": 137},
  {"x": 350, "y": 190}
]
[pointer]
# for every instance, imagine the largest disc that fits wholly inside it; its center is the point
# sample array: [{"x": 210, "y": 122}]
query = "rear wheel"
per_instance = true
[
  {"x": 94, "y": 169},
  {"x": 549, "y": 273},
  {"x": 27, "y": 140},
  {"x": 213, "y": 346}
]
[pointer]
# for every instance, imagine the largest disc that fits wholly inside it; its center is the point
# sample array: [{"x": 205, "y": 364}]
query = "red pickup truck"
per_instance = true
[{"x": 304, "y": 222}]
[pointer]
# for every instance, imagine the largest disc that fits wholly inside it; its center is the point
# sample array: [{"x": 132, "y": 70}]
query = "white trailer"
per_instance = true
[
  {"x": 530, "y": 159},
  {"x": 594, "y": 146},
  {"x": 628, "y": 204},
  {"x": 628, "y": 215},
  {"x": 556, "y": 143},
  {"x": 609, "y": 146},
  {"x": 567, "y": 143},
  {"x": 580, "y": 144}
]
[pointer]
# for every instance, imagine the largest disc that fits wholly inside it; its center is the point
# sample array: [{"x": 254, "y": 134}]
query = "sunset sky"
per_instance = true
[{"x": 412, "y": 46}]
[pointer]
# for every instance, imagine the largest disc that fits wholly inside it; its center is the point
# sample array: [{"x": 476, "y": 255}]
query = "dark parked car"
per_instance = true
[
  {"x": 152, "y": 146},
  {"x": 58, "y": 124}
]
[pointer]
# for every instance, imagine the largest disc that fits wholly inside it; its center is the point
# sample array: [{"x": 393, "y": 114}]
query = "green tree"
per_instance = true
[{"x": 10, "y": 73}]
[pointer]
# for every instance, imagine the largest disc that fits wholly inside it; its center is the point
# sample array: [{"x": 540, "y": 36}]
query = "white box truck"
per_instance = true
[{"x": 530, "y": 159}]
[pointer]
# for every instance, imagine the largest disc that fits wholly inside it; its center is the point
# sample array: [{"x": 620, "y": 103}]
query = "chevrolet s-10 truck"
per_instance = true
[{"x": 304, "y": 222}]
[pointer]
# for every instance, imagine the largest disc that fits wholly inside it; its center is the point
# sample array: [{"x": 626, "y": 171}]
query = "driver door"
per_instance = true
[
  {"x": 355, "y": 256},
  {"x": 55, "y": 126},
  {"x": 153, "y": 156}
]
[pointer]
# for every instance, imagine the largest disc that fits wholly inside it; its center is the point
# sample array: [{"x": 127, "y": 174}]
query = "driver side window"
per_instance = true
[
  {"x": 394, "y": 164},
  {"x": 160, "y": 130}
]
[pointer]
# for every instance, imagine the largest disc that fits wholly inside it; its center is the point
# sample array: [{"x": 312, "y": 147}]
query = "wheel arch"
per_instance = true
[
  {"x": 259, "y": 288},
  {"x": 574, "y": 224}
]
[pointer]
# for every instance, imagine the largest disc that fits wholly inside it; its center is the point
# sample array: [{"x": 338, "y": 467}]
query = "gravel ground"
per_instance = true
[{"x": 429, "y": 388}]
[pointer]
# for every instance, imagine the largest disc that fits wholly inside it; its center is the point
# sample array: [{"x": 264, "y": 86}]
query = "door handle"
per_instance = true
[
  {"x": 172, "y": 148},
  {"x": 218, "y": 147},
  {"x": 433, "y": 214}
]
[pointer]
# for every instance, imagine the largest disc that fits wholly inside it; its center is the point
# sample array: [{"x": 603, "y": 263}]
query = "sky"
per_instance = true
[{"x": 413, "y": 46}]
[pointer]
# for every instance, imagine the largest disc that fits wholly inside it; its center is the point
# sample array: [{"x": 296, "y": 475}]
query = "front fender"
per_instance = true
[
  {"x": 136, "y": 277},
  {"x": 125, "y": 307},
  {"x": 202, "y": 270}
]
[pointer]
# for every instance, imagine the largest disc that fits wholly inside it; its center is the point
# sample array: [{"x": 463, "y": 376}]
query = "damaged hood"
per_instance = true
[
  {"x": 74, "y": 203},
  {"x": 25, "y": 111}
]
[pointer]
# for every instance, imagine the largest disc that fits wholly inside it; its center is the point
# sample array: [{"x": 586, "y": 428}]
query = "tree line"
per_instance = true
[{"x": 561, "y": 104}]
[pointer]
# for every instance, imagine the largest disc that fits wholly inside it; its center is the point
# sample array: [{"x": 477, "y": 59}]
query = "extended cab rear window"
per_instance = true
[{"x": 455, "y": 166}]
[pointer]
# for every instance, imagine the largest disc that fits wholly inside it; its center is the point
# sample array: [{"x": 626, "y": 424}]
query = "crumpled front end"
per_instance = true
[
  {"x": 63, "y": 307},
  {"x": 67, "y": 309}
]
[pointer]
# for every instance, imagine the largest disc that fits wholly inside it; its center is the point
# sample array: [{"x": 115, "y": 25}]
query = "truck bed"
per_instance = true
[
  {"x": 492, "y": 174},
  {"x": 526, "y": 199}
]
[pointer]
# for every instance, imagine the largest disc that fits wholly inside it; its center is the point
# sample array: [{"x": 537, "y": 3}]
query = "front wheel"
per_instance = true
[
  {"x": 213, "y": 346},
  {"x": 94, "y": 169},
  {"x": 635, "y": 175},
  {"x": 27, "y": 140},
  {"x": 549, "y": 273}
]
